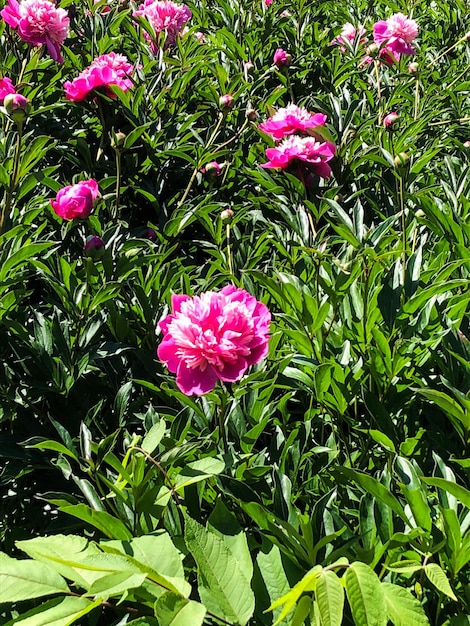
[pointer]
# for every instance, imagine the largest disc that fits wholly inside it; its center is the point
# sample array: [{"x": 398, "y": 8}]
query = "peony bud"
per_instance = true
[
  {"x": 226, "y": 215},
  {"x": 150, "y": 234},
  {"x": 117, "y": 140},
  {"x": 17, "y": 107},
  {"x": 212, "y": 170},
  {"x": 281, "y": 58},
  {"x": 252, "y": 115},
  {"x": 226, "y": 102},
  {"x": 372, "y": 50},
  {"x": 413, "y": 67},
  {"x": 401, "y": 159},
  {"x": 390, "y": 119},
  {"x": 94, "y": 247}
]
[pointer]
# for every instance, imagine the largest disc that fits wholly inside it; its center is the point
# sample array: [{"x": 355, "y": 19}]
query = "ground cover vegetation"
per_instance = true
[{"x": 234, "y": 313}]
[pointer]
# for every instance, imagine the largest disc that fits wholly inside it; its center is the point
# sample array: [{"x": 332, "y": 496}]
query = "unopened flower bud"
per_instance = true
[
  {"x": 94, "y": 247},
  {"x": 413, "y": 67},
  {"x": 420, "y": 213},
  {"x": 466, "y": 144},
  {"x": 150, "y": 234},
  {"x": 390, "y": 119},
  {"x": 252, "y": 115},
  {"x": 212, "y": 170},
  {"x": 226, "y": 215},
  {"x": 226, "y": 102},
  {"x": 248, "y": 66},
  {"x": 17, "y": 107},
  {"x": 117, "y": 140},
  {"x": 281, "y": 58},
  {"x": 401, "y": 159},
  {"x": 372, "y": 50}
]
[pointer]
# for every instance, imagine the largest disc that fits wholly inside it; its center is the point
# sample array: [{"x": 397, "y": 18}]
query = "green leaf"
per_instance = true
[
  {"x": 57, "y": 612},
  {"x": 153, "y": 437},
  {"x": 437, "y": 577},
  {"x": 224, "y": 587},
  {"x": 173, "y": 610},
  {"x": 462, "y": 494},
  {"x": 115, "y": 584},
  {"x": 365, "y": 595},
  {"x": 450, "y": 407},
  {"x": 329, "y": 594},
  {"x": 412, "y": 489},
  {"x": 289, "y": 600},
  {"x": 199, "y": 470},
  {"x": 103, "y": 521},
  {"x": 27, "y": 579},
  {"x": 403, "y": 609},
  {"x": 273, "y": 574}
]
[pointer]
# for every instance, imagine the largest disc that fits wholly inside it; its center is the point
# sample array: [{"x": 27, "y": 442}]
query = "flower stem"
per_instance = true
[
  {"x": 221, "y": 419},
  {"x": 118, "y": 184},
  {"x": 401, "y": 202},
  {"x": 229, "y": 250},
  {"x": 416, "y": 107},
  {"x": 379, "y": 88},
  {"x": 464, "y": 38}
]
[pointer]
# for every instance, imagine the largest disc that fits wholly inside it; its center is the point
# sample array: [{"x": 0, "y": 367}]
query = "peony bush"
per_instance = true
[{"x": 234, "y": 313}]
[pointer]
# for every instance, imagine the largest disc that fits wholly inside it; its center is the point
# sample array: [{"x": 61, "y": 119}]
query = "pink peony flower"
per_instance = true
[
  {"x": 390, "y": 119},
  {"x": 396, "y": 34},
  {"x": 165, "y": 17},
  {"x": 76, "y": 201},
  {"x": 214, "y": 336},
  {"x": 292, "y": 119},
  {"x": 212, "y": 170},
  {"x": 39, "y": 23},
  {"x": 281, "y": 58},
  {"x": 348, "y": 34},
  {"x": 6, "y": 88},
  {"x": 104, "y": 71},
  {"x": 314, "y": 154},
  {"x": 17, "y": 107}
]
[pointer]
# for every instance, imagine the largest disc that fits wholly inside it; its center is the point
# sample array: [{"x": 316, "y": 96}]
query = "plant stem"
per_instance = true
[
  {"x": 379, "y": 88},
  {"x": 401, "y": 202},
  {"x": 416, "y": 107},
  {"x": 118, "y": 184},
  {"x": 229, "y": 250},
  {"x": 464, "y": 38},
  {"x": 221, "y": 419}
]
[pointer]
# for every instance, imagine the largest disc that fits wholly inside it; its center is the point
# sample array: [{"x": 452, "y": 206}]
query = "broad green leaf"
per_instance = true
[
  {"x": 110, "y": 526},
  {"x": 272, "y": 571},
  {"x": 27, "y": 579},
  {"x": 462, "y": 494},
  {"x": 365, "y": 595},
  {"x": 173, "y": 610},
  {"x": 56, "y": 446},
  {"x": 451, "y": 408},
  {"x": 405, "y": 566},
  {"x": 302, "y": 611},
  {"x": 153, "y": 437},
  {"x": 329, "y": 594},
  {"x": 412, "y": 489},
  {"x": 224, "y": 524},
  {"x": 403, "y": 609},
  {"x": 198, "y": 470},
  {"x": 290, "y": 599},
  {"x": 56, "y": 612},
  {"x": 115, "y": 584},
  {"x": 224, "y": 587},
  {"x": 437, "y": 577}
]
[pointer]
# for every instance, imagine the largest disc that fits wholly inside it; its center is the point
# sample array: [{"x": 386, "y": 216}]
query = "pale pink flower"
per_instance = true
[
  {"x": 105, "y": 71},
  {"x": 292, "y": 119},
  {"x": 6, "y": 88},
  {"x": 76, "y": 201},
  {"x": 348, "y": 34},
  {"x": 39, "y": 23},
  {"x": 390, "y": 119},
  {"x": 310, "y": 152},
  {"x": 397, "y": 34},
  {"x": 165, "y": 17},
  {"x": 281, "y": 58},
  {"x": 214, "y": 336}
]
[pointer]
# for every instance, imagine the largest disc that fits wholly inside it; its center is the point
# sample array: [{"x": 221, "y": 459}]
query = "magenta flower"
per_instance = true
[
  {"x": 292, "y": 119},
  {"x": 76, "y": 201},
  {"x": 312, "y": 153},
  {"x": 214, "y": 336},
  {"x": 165, "y": 17},
  {"x": 281, "y": 58},
  {"x": 39, "y": 23},
  {"x": 105, "y": 71},
  {"x": 396, "y": 34},
  {"x": 94, "y": 247},
  {"x": 6, "y": 88}
]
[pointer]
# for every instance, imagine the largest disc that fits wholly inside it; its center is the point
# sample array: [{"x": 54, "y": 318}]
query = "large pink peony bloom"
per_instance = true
[
  {"x": 165, "y": 17},
  {"x": 105, "y": 70},
  {"x": 313, "y": 153},
  {"x": 292, "y": 119},
  {"x": 76, "y": 201},
  {"x": 6, "y": 88},
  {"x": 39, "y": 23},
  {"x": 214, "y": 336},
  {"x": 396, "y": 34}
]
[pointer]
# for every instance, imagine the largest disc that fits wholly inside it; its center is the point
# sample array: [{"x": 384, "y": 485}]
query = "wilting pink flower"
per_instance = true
[
  {"x": 165, "y": 17},
  {"x": 348, "y": 34},
  {"x": 397, "y": 34},
  {"x": 39, "y": 23},
  {"x": 214, "y": 336},
  {"x": 105, "y": 70},
  {"x": 281, "y": 58},
  {"x": 292, "y": 119},
  {"x": 6, "y": 88},
  {"x": 390, "y": 119},
  {"x": 76, "y": 201},
  {"x": 314, "y": 154}
]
